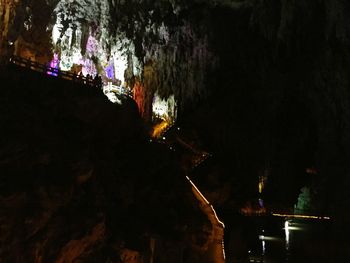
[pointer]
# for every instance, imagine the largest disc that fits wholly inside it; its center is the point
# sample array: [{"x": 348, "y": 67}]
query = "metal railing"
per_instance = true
[{"x": 54, "y": 72}]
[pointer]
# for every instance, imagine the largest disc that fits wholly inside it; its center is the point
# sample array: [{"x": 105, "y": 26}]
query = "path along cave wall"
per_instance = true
[{"x": 266, "y": 80}]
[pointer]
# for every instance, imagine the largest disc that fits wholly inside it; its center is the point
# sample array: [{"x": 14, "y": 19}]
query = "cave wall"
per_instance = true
[
  {"x": 91, "y": 34},
  {"x": 266, "y": 81},
  {"x": 80, "y": 182}
]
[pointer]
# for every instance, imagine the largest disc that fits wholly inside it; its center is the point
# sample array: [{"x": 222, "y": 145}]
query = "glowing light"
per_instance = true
[
  {"x": 56, "y": 31},
  {"x": 92, "y": 46},
  {"x": 76, "y": 55},
  {"x": 66, "y": 61},
  {"x": 260, "y": 187},
  {"x": 159, "y": 129},
  {"x": 261, "y": 203},
  {"x": 113, "y": 98},
  {"x": 88, "y": 67},
  {"x": 261, "y": 184},
  {"x": 302, "y": 216},
  {"x": 292, "y": 228},
  {"x": 120, "y": 62},
  {"x": 139, "y": 96},
  {"x": 199, "y": 195},
  {"x": 216, "y": 216},
  {"x": 111, "y": 92},
  {"x": 160, "y": 107},
  {"x": 267, "y": 238},
  {"x": 197, "y": 191},
  {"x": 286, "y": 231},
  {"x": 110, "y": 70},
  {"x": 54, "y": 64},
  {"x": 223, "y": 249},
  {"x": 263, "y": 247},
  {"x": 70, "y": 57},
  {"x": 165, "y": 109}
]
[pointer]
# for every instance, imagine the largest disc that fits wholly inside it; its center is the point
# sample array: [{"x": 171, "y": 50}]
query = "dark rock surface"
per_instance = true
[
  {"x": 79, "y": 181},
  {"x": 273, "y": 100}
]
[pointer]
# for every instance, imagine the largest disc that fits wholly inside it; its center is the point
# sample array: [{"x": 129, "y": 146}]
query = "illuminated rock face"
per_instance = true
[
  {"x": 80, "y": 34},
  {"x": 268, "y": 51},
  {"x": 91, "y": 35},
  {"x": 177, "y": 71},
  {"x": 165, "y": 109}
]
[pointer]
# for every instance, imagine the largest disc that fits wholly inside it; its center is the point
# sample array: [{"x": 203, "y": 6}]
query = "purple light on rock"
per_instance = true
[
  {"x": 88, "y": 67},
  {"x": 54, "y": 64},
  {"x": 92, "y": 45},
  {"x": 110, "y": 70},
  {"x": 261, "y": 203}
]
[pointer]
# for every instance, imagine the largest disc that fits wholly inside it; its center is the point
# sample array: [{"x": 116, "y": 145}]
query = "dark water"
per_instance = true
[{"x": 275, "y": 239}]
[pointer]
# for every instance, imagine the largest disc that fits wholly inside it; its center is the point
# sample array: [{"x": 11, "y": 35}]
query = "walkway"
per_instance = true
[
  {"x": 169, "y": 135},
  {"x": 216, "y": 250},
  {"x": 41, "y": 68}
]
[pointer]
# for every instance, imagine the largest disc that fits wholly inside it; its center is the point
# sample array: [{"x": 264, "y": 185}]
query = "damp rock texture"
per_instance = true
[{"x": 80, "y": 182}]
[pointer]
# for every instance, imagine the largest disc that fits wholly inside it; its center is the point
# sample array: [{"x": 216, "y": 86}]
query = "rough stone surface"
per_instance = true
[{"x": 80, "y": 182}]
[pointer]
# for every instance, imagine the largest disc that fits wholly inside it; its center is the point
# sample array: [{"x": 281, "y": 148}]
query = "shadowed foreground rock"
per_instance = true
[{"x": 79, "y": 181}]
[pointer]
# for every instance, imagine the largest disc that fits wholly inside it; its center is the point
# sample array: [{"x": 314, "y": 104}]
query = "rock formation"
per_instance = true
[
  {"x": 80, "y": 182},
  {"x": 264, "y": 84}
]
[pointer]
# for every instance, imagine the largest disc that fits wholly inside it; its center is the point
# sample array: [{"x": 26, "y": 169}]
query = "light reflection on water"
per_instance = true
[
  {"x": 289, "y": 226},
  {"x": 286, "y": 231},
  {"x": 263, "y": 247},
  {"x": 283, "y": 240}
]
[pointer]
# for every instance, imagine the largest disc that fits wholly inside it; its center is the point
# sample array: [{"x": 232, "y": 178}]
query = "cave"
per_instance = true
[{"x": 209, "y": 131}]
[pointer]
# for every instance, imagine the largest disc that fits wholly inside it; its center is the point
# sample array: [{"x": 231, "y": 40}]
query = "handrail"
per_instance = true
[{"x": 36, "y": 66}]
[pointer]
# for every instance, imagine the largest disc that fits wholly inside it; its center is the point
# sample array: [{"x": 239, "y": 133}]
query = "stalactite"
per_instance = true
[
  {"x": 7, "y": 17},
  {"x": 139, "y": 96}
]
